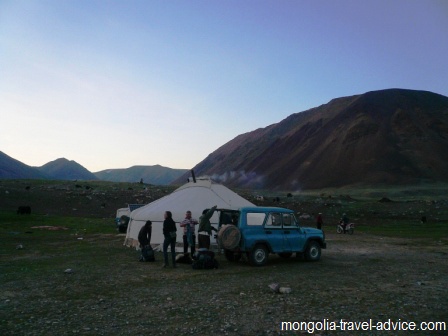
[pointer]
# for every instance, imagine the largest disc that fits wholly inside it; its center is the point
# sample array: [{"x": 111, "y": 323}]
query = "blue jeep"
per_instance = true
[{"x": 258, "y": 231}]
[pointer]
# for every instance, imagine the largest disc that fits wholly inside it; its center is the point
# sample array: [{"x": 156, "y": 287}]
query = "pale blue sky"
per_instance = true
[{"x": 112, "y": 84}]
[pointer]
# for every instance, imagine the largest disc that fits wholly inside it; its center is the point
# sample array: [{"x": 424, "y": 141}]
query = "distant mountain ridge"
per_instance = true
[
  {"x": 64, "y": 169},
  {"x": 393, "y": 136},
  {"x": 13, "y": 169},
  {"x": 149, "y": 174}
]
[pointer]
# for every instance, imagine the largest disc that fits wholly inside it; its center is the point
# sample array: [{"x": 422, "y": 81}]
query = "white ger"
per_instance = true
[{"x": 194, "y": 196}]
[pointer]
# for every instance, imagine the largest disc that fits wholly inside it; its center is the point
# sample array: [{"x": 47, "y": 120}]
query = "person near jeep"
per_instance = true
[
  {"x": 319, "y": 221},
  {"x": 189, "y": 236},
  {"x": 144, "y": 239},
  {"x": 206, "y": 228}
]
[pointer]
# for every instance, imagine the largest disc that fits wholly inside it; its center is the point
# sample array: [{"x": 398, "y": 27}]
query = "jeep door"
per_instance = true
[
  {"x": 274, "y": 233},
  {"x": 227, "y": 216},
  {"x": 294, "y": 235}
]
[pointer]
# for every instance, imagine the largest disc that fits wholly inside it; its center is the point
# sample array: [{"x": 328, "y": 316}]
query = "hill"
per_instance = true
[
  {"x": 63, "y": 169},
  {"x": 157, "y": 174},
  {"x": 392, "y": 136},
  {"x": 13, "y": 169}
]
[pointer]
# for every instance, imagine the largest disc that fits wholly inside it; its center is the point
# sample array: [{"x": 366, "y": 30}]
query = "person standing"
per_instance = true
[
  {"x": 345, "y": 221},
  {"x": 169, "y": 232},
  {"x": 189, "y": 237},
  {"x": 205, "y": 228},
  {"x": 319, "y": 221},
  {"x": 144, "y": 238}
]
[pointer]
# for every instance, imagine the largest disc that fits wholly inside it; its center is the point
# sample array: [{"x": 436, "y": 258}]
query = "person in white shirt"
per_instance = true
[{"x": 189, "y": 237}]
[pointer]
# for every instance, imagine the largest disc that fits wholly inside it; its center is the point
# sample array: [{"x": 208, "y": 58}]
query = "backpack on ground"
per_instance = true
[
  {"x": 147, "y": 254},
  {"x": 204, "y": 259},
  {"x": 184, "y": 259}
]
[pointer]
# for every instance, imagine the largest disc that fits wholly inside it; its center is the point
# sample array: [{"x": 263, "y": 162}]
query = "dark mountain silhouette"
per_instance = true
[
  {"x": 392, "y": 136},
  {"x": 63, "y": 169},
  {"x": 157, "y": 174},
  {"x": 12, "y": 169}
]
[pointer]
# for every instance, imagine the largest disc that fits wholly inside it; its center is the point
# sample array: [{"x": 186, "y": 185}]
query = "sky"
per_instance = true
[{"x": 118, "y": 83}]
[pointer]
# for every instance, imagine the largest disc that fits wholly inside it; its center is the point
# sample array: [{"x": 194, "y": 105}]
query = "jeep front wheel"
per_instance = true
[
  {"x": 313, "y": 251},
  {"x": 259, "y": 255}
]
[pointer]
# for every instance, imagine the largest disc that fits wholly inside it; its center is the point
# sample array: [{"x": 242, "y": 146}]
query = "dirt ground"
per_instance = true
[
  {"x": 108, "y": 292},
  {"x": 359, "y": 277}
]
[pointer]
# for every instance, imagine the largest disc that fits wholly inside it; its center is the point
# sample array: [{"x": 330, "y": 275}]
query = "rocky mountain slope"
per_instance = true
[{"x": 392, "y": 136}]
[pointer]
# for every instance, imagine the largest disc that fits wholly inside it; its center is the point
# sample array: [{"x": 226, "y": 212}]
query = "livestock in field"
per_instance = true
[{"x": 24, "y": 210}]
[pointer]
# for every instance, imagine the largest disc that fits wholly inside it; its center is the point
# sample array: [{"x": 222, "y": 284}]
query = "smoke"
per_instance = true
[
  {"x": 296, "y": 186},
  {"x": 223, "y": 177},
  {"x": 241, "y": 177}
]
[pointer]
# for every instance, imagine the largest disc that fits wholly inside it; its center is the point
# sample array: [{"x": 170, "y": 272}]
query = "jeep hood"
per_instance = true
[{"x": 312, "y": 231}]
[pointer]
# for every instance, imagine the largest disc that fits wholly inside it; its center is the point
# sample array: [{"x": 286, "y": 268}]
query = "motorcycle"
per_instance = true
[{"x": 349, "y": 228}]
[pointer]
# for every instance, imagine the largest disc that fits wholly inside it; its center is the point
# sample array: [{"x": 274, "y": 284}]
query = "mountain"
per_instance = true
[
  {"x": 12, "y": 169},
  {"x": 393, "y": 136},
  {"x": 63, "y": 169},
  {"x": 157, "y": 174}
]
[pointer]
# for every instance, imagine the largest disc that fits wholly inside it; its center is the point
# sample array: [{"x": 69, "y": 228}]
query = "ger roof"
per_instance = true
[{"x": 193, "y": 196}]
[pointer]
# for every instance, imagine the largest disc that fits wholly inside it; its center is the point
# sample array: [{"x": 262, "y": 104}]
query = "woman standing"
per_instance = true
[{"x": 169, "y": 232}]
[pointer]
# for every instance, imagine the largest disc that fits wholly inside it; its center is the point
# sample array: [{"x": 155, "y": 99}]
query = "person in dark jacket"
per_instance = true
[
  {"x": 144, "y": 238},
  {"x": 319, "y": 221},
  {"x": 205, "y": 228},
  {"x": 169, "y": 232}
]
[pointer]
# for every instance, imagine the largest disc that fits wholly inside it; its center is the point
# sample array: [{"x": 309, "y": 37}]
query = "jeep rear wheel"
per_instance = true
[
  {"x": 259, "y": 255},
  {"x": 232, "y": 256},
  {"x": 313, "y": 251}
]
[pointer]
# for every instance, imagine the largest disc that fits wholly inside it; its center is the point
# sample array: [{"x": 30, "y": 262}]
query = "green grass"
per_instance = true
[
  {"x": 110, "y": 291},
  {"x": 22, "y": 223},
  {"x": 45, "y": 251},
  {"x": 405, "y": 229},
  {"x": 422, "y": 191}
]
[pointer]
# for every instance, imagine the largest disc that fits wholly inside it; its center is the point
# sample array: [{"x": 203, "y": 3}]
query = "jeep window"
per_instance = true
[
  {"x": 296, "y": 221},
  {"x": 274, "y": 221},
  {"x": 228, "y": 217},
  {"x": 253, "y": 218},
  {"x": 289, "y": 220}
]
